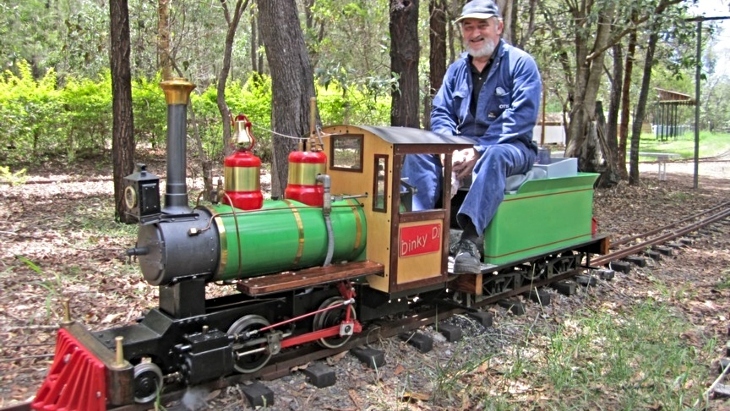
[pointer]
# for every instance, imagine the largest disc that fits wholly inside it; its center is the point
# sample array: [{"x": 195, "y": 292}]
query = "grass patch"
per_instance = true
[
  {"x": 711, "y": 144},
  {"x": 724, "y": 282},
  {"x": 637, "y": 358}
]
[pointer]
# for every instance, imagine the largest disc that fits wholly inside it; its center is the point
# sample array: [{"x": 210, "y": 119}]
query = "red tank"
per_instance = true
[
  {"x": 302, "y": 185},
  {"x": 242, "y": 182},
  {"x": 242, "y": 170}
]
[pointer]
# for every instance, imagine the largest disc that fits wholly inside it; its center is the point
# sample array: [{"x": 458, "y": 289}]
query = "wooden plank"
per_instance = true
[
  {"x": 292, "y": 280},
  {"x": 468, "y": 283}
]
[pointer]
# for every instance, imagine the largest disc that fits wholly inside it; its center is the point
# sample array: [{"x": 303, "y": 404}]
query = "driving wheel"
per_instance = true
[
  {"x": 250, "y": 353},
  {"x": 332, "y": 318}
]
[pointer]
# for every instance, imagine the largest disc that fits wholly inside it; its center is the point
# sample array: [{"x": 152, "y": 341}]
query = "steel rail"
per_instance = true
[
  {"x": 669, "y": 226},
  {"x": 640, "y": 247}
]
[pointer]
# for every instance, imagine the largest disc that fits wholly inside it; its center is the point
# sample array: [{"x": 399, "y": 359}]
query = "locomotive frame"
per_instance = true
[{"x": 390, "y": 255}]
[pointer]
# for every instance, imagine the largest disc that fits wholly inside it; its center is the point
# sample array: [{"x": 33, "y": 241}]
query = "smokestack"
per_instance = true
[{"x": 177, "y": 94}]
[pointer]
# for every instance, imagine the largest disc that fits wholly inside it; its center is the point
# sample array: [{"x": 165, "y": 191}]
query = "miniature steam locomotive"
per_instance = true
[{"x": 342, "y": 248}]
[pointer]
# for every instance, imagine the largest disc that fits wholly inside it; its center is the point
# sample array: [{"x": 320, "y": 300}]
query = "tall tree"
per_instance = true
[
  {"x": 589, "y": 56},
  {"x": 437, "y": 54},
  {"x": 616, "y": 78},
  {"x": 257, "y": 59},
  {"x": 520, "y": 39},
  {"x": 315, "y": 30},
  {"x": 509, "y": 18},
  {"x": 123, "y": 123},
  {"x": 291, "y": 80},
  {"x": 661, "y": 17},
  {"x": 641, "y": 106},
  {"x": 163, "y": 38},
  {"x": 232, "y": 23},
  {"x": 404, "y": 54},
  {"x": 626, "y": 102},
  {"x": 595, "y": 29}
]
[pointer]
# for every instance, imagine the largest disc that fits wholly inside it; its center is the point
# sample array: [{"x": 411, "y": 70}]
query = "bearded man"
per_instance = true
[{"x": 491, "y": 95}]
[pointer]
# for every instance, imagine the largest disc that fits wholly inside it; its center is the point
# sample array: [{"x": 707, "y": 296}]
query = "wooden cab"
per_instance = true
[{"x": 412, "y": 246}]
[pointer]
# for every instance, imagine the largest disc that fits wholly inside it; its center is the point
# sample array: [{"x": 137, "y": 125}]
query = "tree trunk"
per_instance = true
[
  {"x": 588, "y": 81},
  {"x": 520, "y": 43},
  {"x": 613, "y": 109},
  {"x": 292, "y": 82},
  {"x": 641, "y": 106},
  {"x": 163, "y": 38},
  {"x": 313, "y": 25},
  {"x": 254, "y": 42},
  {"x": 609, "y": 177},
  {"x": 404, "y": 52},
  {"x": 626, "y": 104},
  {"x": 508, "y": 18},
  {"x": 437, "y": 54},
  {"x": 123, "y": 121},
  {"x": 232, "y": 22}
]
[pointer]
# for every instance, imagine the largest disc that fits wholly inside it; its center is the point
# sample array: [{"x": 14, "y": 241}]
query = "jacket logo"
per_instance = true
[
  {"x": 500, "y": 91},
  {"x": 503, "y": 106}
]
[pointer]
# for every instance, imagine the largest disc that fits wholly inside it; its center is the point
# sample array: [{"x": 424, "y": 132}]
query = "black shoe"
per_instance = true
[{"x": 466, "y": 257}]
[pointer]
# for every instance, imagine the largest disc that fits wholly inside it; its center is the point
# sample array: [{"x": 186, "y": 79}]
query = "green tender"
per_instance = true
[{"x": 542, "y": 216}]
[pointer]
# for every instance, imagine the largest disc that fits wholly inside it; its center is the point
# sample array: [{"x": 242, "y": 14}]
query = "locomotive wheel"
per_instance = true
[
  {"x": 249, "y": 355},
  {"x": 537, "y": 271},
  {"x": 332, "y": 318},
  {"x": 563, "y": 263},
  {"x": 147, "y": 382}
]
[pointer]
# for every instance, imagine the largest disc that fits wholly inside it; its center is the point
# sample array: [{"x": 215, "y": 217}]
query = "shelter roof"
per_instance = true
[{"x": 674, "y": 97}]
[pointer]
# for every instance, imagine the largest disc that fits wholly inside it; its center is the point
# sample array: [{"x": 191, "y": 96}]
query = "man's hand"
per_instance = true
[{"x": 463, "y": 162}]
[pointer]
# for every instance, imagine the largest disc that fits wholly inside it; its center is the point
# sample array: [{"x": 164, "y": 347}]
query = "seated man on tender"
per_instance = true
[{"x": 490, "y": 94}]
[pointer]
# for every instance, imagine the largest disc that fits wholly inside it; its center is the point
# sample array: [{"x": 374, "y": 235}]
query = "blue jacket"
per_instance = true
[{"x": 508, "y": 102}]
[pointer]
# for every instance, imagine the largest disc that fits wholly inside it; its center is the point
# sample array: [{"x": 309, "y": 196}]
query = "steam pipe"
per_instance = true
[
  {"x": 327, "y": 211},
  {"x": 177, "y": 94}
]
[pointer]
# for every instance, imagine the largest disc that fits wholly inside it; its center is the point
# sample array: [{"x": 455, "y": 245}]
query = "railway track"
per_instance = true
[
  {"x": 282, "y": 364},
  {"x": 638, "y": 244}
]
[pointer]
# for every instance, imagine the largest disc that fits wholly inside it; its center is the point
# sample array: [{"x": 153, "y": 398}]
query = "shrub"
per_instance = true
[
  {"x": 150, "y": 112},
  {"x": 39, "y": 120},
  {"x": 32, "y": 116},
  {"x": 87, "y": 116}
]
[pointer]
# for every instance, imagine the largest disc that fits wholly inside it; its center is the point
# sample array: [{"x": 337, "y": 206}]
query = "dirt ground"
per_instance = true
[{"x": 49, "y": 252}]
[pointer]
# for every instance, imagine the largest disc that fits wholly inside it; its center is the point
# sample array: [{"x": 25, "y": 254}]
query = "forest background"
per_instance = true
[{"x": 375, "y": 62}]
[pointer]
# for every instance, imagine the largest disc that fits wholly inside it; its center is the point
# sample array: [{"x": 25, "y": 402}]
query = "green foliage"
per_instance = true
[
  {"x": 150, "y": 111},
  {"x": 42, "y": 120},
  {"x": 69, "y": 36},
  {"x": 84, "y": 38},
  {"x": 31, "y": 112},
  {"x": 355, "y": 46},
  {"x": 27, "y": 30},
  {"x": 88, "y": 115},
  {"x": 354, "y": 105},
  {"x": 12, "y": 178}
]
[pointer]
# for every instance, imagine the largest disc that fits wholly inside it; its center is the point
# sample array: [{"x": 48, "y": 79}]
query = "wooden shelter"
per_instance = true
[{"x": 666, "y": 112}]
